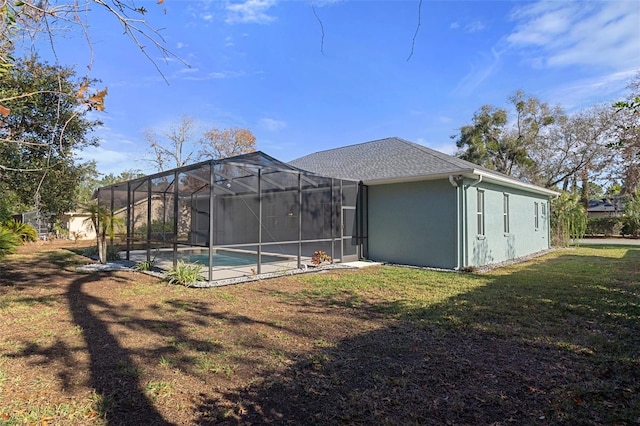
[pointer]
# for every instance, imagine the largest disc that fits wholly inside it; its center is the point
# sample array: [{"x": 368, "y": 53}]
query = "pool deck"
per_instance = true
[{"x": 231, "y": 272}]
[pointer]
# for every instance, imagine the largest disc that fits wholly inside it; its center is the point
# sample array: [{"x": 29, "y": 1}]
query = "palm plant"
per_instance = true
[
  {"x": 8, "y": 241},
  {"x": 104, "y": 223},
  {"x": 24, "y": 231}
]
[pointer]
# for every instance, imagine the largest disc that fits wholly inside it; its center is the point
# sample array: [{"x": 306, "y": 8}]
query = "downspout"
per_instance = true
[
  {"x": 551, "y": 198},
  {"x": 453, "y": 183},
  {"x": 475, "y": 182},
  {"x": 465, "y": 251}
]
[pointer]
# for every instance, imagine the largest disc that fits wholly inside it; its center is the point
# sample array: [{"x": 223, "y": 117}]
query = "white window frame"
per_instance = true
[
  {"x": 536, "y": 215},
  {"x": 480, "y": 212},
  {"x": 505, "y": 213}
]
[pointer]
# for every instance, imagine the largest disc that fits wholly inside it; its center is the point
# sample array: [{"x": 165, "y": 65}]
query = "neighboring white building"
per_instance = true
[{"x": 76, "y": 224}]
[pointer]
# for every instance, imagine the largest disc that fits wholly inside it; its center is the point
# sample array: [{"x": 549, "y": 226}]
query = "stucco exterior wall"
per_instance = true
[
  {"x": 496, "y": 245},
  {"x": 413, "y": 223},
  {"x": 78, "y": 228}
]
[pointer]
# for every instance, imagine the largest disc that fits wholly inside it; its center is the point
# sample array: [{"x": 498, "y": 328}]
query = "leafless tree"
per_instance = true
[{"x": 174, "y": 147}]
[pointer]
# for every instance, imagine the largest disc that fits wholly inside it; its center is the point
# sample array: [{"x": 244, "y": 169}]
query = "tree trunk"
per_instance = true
[
  {"x": 584, "y": 194},
  {"x": 102, "y": 248}
]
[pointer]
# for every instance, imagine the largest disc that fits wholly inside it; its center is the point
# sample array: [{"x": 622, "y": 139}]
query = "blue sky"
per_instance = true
[{"x": 264, "y": 65}]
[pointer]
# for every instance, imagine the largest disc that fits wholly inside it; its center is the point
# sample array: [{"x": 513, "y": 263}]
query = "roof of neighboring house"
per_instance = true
[{"x": 397, "y": 160}]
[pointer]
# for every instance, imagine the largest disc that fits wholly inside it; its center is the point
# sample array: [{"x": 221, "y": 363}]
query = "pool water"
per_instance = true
[{"x": 229, "y": 258}]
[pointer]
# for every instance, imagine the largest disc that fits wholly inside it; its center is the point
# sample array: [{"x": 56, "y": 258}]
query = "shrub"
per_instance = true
[
  {"x": 8, "y": 241},
  {"x": 112, "y": 252},
  {"x": 24, "y": 231},
  {"x": 632, "y": 216},
  {"x": 568, "y": 219},
  {"x": 146, "y": 265},
  {"x": 184, "y": 273},
  {"x": 606, "y": 226},
  {"x": 320, "y": 257}
]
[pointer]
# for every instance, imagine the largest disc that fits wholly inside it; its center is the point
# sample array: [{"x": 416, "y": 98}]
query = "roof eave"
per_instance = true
[
  {"x": 417, "y": 178},
  {"x": 513, "y": 183},
  {"x": 468, "y": 173}
]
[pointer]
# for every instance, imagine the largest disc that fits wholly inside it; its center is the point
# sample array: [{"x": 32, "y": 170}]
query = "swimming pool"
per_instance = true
[{"x": 228, "y": 258}]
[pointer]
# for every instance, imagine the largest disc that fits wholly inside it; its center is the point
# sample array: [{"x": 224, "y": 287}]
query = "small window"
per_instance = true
[
  {"x": 505, "y": 213},
  {"x": 480, "y": 213},
  {"x": 536, "y": 216}
]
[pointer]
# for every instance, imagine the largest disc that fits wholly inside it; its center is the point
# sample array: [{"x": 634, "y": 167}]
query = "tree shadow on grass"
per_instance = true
[
  {"x": 113, "y": 375},
  {"x": 551, "y": 343},
  {"x": 42, "y": 269}
]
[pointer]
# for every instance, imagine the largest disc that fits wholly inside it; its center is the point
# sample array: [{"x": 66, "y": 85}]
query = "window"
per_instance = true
[
  {"x": 536, "y": 216},
  {"x": 505, "y": 213},
  {"x": 480, "y": 213},
  {"x": 544, "y": 214}
]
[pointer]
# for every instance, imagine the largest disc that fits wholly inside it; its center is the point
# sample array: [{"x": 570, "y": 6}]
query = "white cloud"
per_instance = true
[
  {"x": 485, "y": 67},
  {"x": 474, "y": 27},
  {"x": 561, "y": 34},
  {"x": 585, "y": 92},
  {"x": 471, "y": 27},
  {"x": 111, "y": 160},
  {"x": 272, "y": 125},
  {"x": 250, "y": 11},
  {"x": 193, "y": 75}
]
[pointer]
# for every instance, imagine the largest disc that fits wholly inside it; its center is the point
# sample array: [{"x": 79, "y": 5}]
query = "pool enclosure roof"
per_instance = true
[{"x": 233, "y": 185}]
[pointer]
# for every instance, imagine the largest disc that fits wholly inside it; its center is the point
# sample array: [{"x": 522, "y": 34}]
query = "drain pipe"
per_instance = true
[
  {"x": 452, "y": 181},
  {"x": 464, "y": 231},
  {"x": 475, "y": 182}
]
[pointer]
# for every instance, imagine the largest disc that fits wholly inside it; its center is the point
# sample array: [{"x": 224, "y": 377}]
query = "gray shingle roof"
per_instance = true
[{"x": 383, "y": 159}]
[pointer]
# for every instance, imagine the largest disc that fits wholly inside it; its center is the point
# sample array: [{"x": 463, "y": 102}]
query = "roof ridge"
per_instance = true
[
  {"x": 350, "y": 146},
  {"x": 441, "y": 155}
]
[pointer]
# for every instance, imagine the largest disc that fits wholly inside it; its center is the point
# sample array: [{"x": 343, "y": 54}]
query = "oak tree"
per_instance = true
[
  {"x": 224, "y": 143},
  {"x": 39, "y": 138},
  {"x": 494, "y": 141}
]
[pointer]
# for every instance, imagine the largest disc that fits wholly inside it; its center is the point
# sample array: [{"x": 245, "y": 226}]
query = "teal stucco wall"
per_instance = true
[
  {"x": 496, "y": 245},
  {"x": 413, "y": 223}
]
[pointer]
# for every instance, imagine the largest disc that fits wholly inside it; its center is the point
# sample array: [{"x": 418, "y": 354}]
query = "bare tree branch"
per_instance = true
[
  {"x": 413, "y": 42},
  {"x": 313, "y": 8}
]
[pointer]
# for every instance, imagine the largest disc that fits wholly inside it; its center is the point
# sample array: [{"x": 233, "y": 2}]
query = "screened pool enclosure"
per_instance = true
[{"x": 237, "y": 217}]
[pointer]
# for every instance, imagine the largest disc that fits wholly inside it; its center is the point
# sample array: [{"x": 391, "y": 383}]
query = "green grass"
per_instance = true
[
  {"x": 88, "y": 411},
  {"x": 155, "y": 390},
  {"x": 582, "y": 302},
  {"x": 535, "y": 301}
]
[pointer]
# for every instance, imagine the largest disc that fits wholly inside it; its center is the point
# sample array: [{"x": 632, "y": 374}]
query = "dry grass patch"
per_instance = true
[{"x": 553, "y": 340}]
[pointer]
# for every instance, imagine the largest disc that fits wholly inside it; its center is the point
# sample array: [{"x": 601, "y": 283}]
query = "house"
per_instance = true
[
  {"x": 388, "y": 200},
  {"x": 76, "y": 225},
  {"x": 426, "y": 208},
  {"x": 71, "y": 225},
  {"x": 606, "y": 207}
]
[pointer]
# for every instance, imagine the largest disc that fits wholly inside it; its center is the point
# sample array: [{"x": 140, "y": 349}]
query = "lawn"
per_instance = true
[{"x": 555, "y": 340}]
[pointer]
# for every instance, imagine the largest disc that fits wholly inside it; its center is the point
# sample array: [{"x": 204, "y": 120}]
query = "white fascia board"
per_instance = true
[
  {"x": 471, "y": 174},
  {"x": 513, "y": 183},
  {"x": 418, "y": 178}
]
